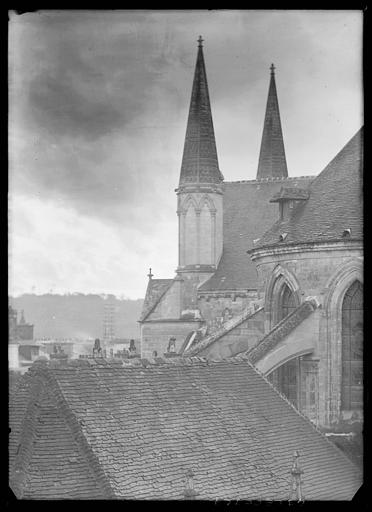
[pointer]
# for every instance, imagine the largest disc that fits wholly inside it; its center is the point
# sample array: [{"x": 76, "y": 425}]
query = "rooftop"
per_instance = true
[
  {"x": 105, "y": 429},
  {"x": 334, "y": 209}
]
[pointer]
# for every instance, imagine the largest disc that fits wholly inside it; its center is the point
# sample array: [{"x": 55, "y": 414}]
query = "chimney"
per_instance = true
[{"x": 189, "y": 492}]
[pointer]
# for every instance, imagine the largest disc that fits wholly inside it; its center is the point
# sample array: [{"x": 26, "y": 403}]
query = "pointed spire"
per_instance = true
[
  {"x": 272, "y": 162},
  {"x": 199, "y": 162}
]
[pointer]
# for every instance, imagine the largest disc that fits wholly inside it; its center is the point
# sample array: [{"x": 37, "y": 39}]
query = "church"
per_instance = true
[{"x": 271, "y": 268}]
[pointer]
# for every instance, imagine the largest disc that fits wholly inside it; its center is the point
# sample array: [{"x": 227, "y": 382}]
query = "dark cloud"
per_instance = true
[
  {"x": 100, "y": 98},
  {"x": 60, "y": 107}
]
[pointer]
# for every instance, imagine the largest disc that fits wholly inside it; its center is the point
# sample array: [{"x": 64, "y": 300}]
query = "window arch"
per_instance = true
[
  {"x": 287, "y": 302},
  {"x": 352, "y": 348}
]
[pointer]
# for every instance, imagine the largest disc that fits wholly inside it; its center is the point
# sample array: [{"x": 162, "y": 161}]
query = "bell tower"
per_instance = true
[{"x": 200, "y": 199}]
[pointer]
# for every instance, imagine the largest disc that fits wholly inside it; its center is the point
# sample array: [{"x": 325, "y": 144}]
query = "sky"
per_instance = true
[{"x": 98, "y": 105}]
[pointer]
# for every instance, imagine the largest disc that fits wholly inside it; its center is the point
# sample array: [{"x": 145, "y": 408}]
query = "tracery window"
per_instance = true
[
  {"x": 352, "y": 348},
  {"x": 286, "y": 380},
  {"x": 287, "y": 302}
]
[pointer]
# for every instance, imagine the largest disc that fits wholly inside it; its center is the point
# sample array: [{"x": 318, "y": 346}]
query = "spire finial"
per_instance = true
[
  {"x": 272, "y": 69},
  {"x": 296, "y": 472},
  {"x": 200, "y": 41},
  {"x": 150, "y": 275},
  {"x": 189, "y": 491}
]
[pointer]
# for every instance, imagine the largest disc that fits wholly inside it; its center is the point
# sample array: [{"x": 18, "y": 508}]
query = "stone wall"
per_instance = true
[
  {"x": 217, "y": 308},
  {"x": 239, "y": 339},
  {"x": 324, "y": 271},
  {"x": 200, "y": 227},
  {"x": 155, "y": 335}
]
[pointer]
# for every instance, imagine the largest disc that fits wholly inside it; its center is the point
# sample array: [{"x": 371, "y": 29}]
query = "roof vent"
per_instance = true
[
  {"x": 283, "y": 236},
  {"x": 346, "y": 233}
]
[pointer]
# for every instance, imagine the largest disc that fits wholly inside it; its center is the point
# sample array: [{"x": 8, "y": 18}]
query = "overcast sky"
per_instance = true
[{"x": 97, "y": 119}]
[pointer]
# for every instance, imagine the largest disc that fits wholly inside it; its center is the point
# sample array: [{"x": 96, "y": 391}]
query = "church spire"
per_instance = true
[
  {"x": 272, "y": 162},
  {"x": 199, "y": 162}
]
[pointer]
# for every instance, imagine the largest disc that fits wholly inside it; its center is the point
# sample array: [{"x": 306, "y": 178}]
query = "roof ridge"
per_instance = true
[{"x": 273, "y": 178}]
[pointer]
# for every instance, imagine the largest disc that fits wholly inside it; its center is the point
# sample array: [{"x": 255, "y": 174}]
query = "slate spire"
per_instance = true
[
  {"x": 272, "y": 162},
  {"x": 200, "y": 162}
]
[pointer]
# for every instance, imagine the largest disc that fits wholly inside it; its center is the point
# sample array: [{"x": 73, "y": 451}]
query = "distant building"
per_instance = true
[
  {"x": 19, "y": 330},
  {"x": 22, "y": 349}
]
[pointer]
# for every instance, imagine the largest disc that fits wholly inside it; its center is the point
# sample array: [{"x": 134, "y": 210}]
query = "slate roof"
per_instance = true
[
  {"x": 156, "y": 289},
  {"x": 334, "y": 205},
  {"x": 200, "y": 162},
  {"x": 272, "y": 161},
  {"x": 97, "y": 429},
  {"x": 247, "y": 215}
]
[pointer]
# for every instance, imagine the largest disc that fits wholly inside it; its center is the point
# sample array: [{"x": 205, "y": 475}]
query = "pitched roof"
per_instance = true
[
  {"x": 247, "y": 214},
  {"x": 156, "y": 288},
  {"x": 101, "y": 429},
  {"x": 334, "y": 205},
  {"x": 272, "y": 162},
  {"x": 200, "y": 162}
]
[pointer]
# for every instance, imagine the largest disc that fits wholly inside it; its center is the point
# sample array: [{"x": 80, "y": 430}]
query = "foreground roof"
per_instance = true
[
  {"x": 98, "y": 429},
  {"x": 334, "y": 205},
  {"x": 247, "y": 214}
]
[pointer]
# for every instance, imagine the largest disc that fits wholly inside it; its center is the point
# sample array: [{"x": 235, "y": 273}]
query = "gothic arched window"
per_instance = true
[
  {"x": 287, "y": 302},
  {"x": 352, "y": 348}
]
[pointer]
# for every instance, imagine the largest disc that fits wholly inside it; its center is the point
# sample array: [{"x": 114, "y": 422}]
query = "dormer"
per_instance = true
[{"x": 288, "y": 198}]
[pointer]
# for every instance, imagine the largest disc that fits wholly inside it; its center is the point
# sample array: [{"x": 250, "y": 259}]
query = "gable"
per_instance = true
[{"x": 46, "y": 459}]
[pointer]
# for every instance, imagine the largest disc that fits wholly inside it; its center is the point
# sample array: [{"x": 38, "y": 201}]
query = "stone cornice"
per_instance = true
[
  {"x": 213, "y": 188},
  {"x": 244, "y": 292},
  {"x": 206, "y": 269},
  {"x": 172, "y": 321},
  {"x": 276, "y": 178},
  {"x": 281, "y": 330},
  {"x": 279, "y": 250}
]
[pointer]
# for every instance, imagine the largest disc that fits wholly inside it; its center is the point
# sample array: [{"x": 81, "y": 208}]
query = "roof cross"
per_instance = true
[
  {"x": 272, "y": 69},
  {"x": 200, "y": 41}
]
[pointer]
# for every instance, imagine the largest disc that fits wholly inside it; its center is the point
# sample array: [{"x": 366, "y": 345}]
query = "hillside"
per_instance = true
[{"x": 77, "y": 315}]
